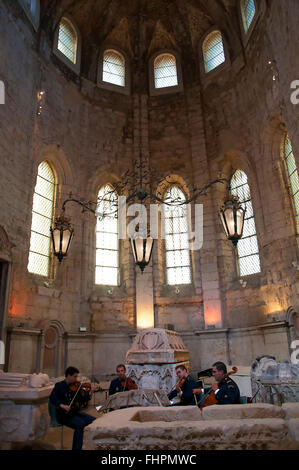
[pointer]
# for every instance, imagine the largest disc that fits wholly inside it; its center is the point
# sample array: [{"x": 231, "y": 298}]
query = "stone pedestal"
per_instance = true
[
  {"x": 153, "y": 357},
  {"x": 23, "y": 408}
]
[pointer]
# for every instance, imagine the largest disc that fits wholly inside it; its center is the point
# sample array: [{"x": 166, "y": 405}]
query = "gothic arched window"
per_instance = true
[
  {"x": 248, "y": 13},
  {"x": 107, "y": 245},
  {"x": 292, "y": 173},
  {"x": 68, "y": 40},
  {"x": 248, "y": 251},
  {"x": 178, "y": 260},
  {"x": 213, "y": 51},
  {"x": 165, "y": 71},
  {"x": 42, "y": 216},
  {"x": 114, "y": 70}
]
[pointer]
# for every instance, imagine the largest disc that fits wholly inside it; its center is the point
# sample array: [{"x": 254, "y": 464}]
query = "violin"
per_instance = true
[
  {"x": 210, "y": 397},
  {"x": 128, "y": 384},
  {"x": 181, "y": 382},
  {"x": 82, "y": 394}
]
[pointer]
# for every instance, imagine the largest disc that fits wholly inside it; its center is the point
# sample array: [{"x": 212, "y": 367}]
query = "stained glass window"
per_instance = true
[
  {"x": 248, "y": 13},
  {"x": 292, "y": 175},
  {"x": 42, "y": 215},
  {"x": 114, "y": 68},
  {"x": 107, "y": 245},
  {"x": 213, "y": 51},
  {"x": 165, "y": 71},
  {"x": 248, "y": 251},
  {"x": 67, "y": 40},
  {"x": 178, "y": 261}
]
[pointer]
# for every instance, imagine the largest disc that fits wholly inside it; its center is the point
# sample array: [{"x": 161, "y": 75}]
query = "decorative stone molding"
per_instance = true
[{"x": 157, "y": 346}]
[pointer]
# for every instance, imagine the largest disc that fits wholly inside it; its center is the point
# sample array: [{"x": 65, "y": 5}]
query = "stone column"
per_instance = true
[
  {"x": 144, "y": 281},
  {"x": 208, "y": 253},
  {"x": 144, "y": 297}
]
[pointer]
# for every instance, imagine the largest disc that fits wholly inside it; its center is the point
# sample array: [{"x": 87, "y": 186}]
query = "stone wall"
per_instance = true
[{"x": 233, "y": 119}]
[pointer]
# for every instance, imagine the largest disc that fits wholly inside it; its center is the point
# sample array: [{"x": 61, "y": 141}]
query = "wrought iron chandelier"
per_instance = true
[{"x": 138, "y": 188}]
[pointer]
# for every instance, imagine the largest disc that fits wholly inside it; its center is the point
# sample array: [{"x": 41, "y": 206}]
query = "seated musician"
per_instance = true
[
  {"x": 122, "y": 383},
  {"x": 184, "y": 388},
  {"x": 70, "y": 416},
  {"x": 226, "y": 390}
]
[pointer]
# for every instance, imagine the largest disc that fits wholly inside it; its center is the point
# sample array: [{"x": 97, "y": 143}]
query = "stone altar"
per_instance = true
[
  {"x": 23, "y": 407},
  {"x": 274, "y": 382},
  {"x": 153, "y": 357},
  {"x": 140, "y": 397},
  {"x": 229, "y": 427}
]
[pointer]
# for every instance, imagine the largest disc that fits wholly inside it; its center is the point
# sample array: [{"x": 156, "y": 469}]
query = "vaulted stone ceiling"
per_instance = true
[{"x": 141, "y": 27}]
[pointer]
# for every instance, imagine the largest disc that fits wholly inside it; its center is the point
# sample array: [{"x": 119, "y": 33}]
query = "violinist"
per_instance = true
[
  {"x": 67, "y": 396},
  {"x": 225, "y": 389},
  {"x": 184, "y": 388},
  {"x": 122, "y": 383}
]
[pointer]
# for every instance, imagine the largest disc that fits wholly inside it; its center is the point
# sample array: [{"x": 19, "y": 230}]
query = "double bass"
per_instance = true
[{"x": 210, "y": 398}]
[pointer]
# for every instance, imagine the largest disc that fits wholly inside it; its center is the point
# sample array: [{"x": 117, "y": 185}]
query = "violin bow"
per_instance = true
[{"x": 75, "y": 396}]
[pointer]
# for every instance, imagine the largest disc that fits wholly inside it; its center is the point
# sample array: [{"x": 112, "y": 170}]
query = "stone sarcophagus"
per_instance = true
[
  {"x": 153, "y": 357},
  {"x": 23, "y": 407}
]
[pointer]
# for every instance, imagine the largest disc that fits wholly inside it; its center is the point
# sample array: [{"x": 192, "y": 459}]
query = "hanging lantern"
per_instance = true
[
  {"x": 142, "y": 250},
  {"x": 232, "y": 218},
  {"x": 62, "y": 235}
]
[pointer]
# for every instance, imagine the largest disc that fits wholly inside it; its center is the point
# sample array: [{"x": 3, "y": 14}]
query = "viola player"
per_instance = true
[
  {"x": 61, "y": 397},
  {"x": 184, "y": 388},
  {"x": 122, "y": 383}
]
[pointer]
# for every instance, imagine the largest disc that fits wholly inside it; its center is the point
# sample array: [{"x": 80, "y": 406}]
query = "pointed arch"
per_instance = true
[
  {"x": 248, "y": 12},
  {"x": 42, "y": 217},
  {"x": 114, "y": 68},
  {"x": 165, "y": 71},
  {"x": 67, "y": 44},
  {"x": 292, "y": 174},
  {"x": 107, "y": 242},
  {"x": 213, "y": 50},
  {"x": 247, "y": 248},
  {"x": 178, "y": 259}
]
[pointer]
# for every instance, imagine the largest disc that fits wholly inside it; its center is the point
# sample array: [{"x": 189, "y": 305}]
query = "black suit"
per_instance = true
[
  {"x": 62, "y": 395},
  {"x": 187, "y": 397}
]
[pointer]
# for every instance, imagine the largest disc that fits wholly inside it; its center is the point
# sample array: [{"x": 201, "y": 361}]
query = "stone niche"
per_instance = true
[
  {"x": 153, "y": 357},
  {"x": 23, "y": 408}
]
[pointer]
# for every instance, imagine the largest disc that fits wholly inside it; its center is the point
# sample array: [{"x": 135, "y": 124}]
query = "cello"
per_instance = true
[{"x": 210, "y": 398}]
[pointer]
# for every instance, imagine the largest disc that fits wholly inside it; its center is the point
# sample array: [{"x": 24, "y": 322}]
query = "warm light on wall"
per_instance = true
[
  {"x": 274, "y": 307},
  {"x": 145, "y": 319},
  {"x": 212, "y": 313}
]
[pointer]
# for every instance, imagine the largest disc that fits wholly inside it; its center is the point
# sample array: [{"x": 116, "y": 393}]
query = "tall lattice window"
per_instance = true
[
  {"x": 114, "y": 68},
  {"x": 42, "y": 215},
  {"x": 68, "y": 40},
  {"x": 178, "y": 261},
  {"x": 165, "y": 71},
  {"x": 248, "y": 13},
  {"x": 213, "y": 51},
  {"x": 107, "y": 246},
  {"x": 292, "y": 175},
  {"x": 248, "y": 251}
]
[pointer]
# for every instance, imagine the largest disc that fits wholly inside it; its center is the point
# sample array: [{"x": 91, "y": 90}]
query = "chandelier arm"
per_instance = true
[
  {"x": 198, "y": 192},
  {"x": 85, "y": 205}
]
